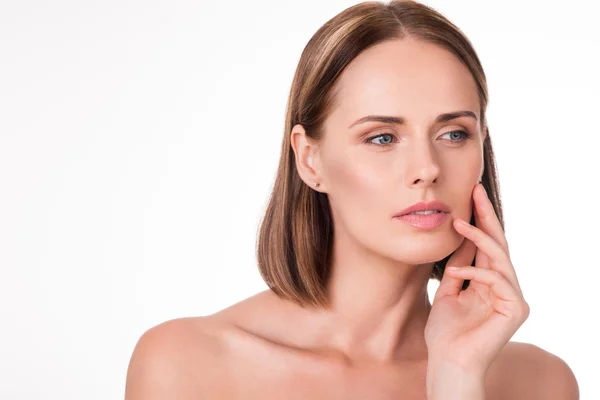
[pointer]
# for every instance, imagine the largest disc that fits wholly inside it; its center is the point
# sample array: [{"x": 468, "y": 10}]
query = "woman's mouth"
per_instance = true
[{"x": 424, "y": 219}]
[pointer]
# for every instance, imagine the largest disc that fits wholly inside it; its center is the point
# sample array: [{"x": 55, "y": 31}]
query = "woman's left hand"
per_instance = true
[{"x": 468, "y": 328}]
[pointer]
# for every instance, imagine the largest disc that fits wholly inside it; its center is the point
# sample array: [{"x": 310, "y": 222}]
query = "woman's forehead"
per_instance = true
[{"x": 405, "y": 77}]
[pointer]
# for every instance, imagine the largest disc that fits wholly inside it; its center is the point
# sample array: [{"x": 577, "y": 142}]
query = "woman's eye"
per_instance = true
[
  {"x": 388, "y": 138},
  {"x": 466, "y": 135}
]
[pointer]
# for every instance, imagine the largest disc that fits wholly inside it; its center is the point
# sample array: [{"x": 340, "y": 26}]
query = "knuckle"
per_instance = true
[
  {"x": 524, "y": 310},
  {"x": 527, "y": 309},
  {"x": 497, "y": 274}
]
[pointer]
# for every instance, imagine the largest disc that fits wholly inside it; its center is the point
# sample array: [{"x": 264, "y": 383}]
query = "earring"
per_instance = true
[{"x": 317, "y": 184}]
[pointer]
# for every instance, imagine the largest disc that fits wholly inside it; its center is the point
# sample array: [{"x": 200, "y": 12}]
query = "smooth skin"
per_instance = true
[
  {"x": 380, "y": 336},
  {"x": 470, "y": 327}
]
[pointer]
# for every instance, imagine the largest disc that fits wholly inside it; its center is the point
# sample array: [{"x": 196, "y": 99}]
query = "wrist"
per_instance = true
[{"x": 449, "y": 381}]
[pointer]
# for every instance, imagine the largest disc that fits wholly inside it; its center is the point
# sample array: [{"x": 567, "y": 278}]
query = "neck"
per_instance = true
[{"x": 378, "y": 308}]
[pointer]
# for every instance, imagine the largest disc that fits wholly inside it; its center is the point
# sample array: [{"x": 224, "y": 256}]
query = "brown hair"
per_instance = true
[{"x": 296, "y": 234}]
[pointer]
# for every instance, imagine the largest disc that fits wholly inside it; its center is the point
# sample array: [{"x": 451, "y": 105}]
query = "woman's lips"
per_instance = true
[{"x": 429, "y": 221}]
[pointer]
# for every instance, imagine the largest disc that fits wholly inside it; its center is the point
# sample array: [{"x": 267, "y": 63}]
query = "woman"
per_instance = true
[{"x": 386, "y": 112}]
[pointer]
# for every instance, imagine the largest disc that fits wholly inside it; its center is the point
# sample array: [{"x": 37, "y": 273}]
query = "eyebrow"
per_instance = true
[{"x": 401, "y": 120}]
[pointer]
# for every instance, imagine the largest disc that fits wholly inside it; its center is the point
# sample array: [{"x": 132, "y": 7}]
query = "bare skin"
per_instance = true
[
  {"x": 264, "y": 348},
  {"x": 370, "y": 344}
]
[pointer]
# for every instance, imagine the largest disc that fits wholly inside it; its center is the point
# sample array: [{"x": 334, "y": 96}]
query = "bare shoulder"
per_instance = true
[
  {"x": 179, "y": 358},
  {"x": 526, "y": 371}
]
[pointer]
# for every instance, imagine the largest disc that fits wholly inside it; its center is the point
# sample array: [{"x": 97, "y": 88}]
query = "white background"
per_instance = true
[{"x": 139, "y": 141}]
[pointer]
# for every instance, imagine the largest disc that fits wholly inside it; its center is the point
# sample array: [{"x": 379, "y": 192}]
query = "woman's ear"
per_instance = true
[{"x": 305, "y": 150}]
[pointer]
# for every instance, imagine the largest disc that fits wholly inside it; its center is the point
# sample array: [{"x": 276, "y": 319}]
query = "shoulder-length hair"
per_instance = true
[{"x": 295, "y": 236}]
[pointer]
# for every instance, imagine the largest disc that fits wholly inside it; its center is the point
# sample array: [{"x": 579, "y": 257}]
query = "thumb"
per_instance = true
[{"x": 450, "y": 285}]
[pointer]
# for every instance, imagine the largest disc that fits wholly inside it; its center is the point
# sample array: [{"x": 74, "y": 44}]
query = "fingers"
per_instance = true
[
  {"x": 483, "y": 241},
  {"x": 497, "y": 256},
  {"x": 487, "y": 218},
  {"x": 497, "y": 282},
  {"x": 487, "y": 240},
  {"x": 512, "y": 305},
  {"x": 464, "y": 254},
  {"x": 482, "y": 260},
  {"x": 449, "y": 286}
]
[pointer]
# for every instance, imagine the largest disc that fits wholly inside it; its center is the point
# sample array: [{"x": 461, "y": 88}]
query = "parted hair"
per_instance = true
[{"x": 295, "y": 235}]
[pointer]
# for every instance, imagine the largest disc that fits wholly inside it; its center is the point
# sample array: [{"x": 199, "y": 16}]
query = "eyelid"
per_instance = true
[
  {"x": 369, "y": 138},
  {"x": 391, "y": 130},
  {"x": 375, "y": 134}
]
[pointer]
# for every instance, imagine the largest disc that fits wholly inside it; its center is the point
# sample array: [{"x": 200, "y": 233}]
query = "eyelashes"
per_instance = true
[{"x": 466, "y": 136}]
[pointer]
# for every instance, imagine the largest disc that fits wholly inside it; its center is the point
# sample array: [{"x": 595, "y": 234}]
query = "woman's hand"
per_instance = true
[{"x": 469, "y": 328}]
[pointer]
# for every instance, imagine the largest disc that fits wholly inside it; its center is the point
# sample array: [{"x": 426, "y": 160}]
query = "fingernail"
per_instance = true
[
  {"x": 463, "y": 222},
  {"x": 453, "y": 268}
]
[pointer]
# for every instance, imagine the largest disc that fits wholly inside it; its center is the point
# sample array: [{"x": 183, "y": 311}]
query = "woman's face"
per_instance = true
[{"x": 369, "y": 178}]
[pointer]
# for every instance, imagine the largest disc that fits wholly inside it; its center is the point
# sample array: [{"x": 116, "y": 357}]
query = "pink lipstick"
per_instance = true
[{"x": 427, "y": 221}]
